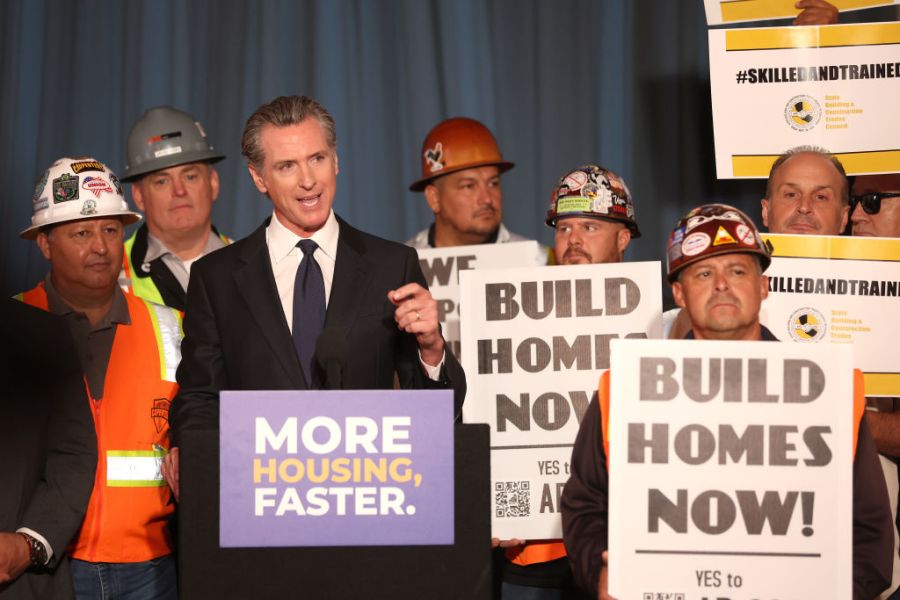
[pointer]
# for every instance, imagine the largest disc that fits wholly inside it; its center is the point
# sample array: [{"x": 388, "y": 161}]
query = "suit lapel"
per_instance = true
[
  {"x": 350, "y": 281},
  {"x": 256, "y": 283}
]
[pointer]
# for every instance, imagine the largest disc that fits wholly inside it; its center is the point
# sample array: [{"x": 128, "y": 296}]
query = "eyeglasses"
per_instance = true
[{"x": 871, "y": 202}]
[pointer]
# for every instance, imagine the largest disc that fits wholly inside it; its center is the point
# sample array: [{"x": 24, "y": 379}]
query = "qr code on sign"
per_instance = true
[{"x": 512, "y": 498}]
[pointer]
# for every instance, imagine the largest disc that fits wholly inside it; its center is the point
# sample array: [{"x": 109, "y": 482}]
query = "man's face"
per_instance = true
[
  {"x": 585, "y": 241},
  {"x": 299, "y": 174},
  {"x": 467, "y": 204},
  {"x": 806, "y": 197},
  {"x": 178, "y": 200},
  {"x": 885, "y": 223},
  {"x": 85, "y": 256},
  {"x": 722, "y": 295}
]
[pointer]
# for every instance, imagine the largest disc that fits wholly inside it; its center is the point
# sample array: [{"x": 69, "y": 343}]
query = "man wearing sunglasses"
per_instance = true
[
  {"x": 875, "y": 205},
  {"x": 875, "y": 212}
]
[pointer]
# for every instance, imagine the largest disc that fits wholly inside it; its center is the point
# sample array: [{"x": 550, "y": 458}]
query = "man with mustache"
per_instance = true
[
  {"x": 875, "y": 212},
  {"x": 461, "y": 168},
  {"x": 128, "y": 349},
  {"x": 593, "y": 216},
  {"x": 592, "y": 213},
  {"x": 721, "y": 286},
  {"x": 174, "y": 183}
]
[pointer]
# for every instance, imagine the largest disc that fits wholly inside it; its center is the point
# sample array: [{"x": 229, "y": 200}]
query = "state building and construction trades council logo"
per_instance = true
[
  {"x": 807, "y": 325},
  {"x": 802, "y": 113}
]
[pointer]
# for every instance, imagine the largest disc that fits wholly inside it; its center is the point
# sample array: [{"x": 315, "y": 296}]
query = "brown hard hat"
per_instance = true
[
  {"x": 456, "y": 144},
  {"x": 710, "y": 230}
]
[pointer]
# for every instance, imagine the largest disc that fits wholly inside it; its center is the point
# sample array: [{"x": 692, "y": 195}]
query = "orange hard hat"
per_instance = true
[{"x": 456, "y": 144}]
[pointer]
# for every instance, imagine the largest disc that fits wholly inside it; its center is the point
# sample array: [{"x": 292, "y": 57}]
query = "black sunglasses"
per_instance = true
[{"x": 871, "y": 202}]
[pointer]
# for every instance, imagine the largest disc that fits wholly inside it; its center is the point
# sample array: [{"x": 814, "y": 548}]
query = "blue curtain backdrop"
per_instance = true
[{"x": 562, "y": 83}]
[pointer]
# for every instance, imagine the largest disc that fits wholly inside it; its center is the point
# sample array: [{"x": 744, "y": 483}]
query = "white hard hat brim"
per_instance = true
[{"x": 128, "y": 218}]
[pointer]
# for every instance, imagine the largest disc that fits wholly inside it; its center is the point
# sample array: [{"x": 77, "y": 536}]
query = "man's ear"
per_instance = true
[
  {"x": 137, "y": 196},
  {"x": 764, "y": 203},
  {"x": 258, "y": 181},
  {"x": 623, "y": 238},
  {"x": 678, "y": 294},
  {"x": 214, "y": 182},
  {"x": 43, "y": 244},
  {"x": 764, "y": 287},
  {"x": 433, "y": 198}
]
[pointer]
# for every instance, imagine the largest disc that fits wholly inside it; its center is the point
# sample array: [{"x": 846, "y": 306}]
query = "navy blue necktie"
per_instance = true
[{"x": 309, "y": 309}]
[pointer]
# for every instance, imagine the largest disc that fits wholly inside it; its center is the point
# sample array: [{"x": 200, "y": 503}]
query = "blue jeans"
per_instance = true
[
  {"x": 150, "y": 580},
  {"x": 520, "y": 592}
]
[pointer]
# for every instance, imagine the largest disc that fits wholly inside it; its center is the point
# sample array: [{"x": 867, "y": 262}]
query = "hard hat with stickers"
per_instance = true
[
  {"x": 710, "y": 230},
  {"x": 73, "y": 189},
  {"x": 592, "y": 191}
]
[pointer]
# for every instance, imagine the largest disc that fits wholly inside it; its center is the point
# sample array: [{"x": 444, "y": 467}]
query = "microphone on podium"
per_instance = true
[{"x": 331, "y": 347}]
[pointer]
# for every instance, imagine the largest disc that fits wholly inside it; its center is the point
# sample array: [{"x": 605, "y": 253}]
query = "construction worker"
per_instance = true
[
  {"x": 722, "y": 287},
  {"x": 593, "y": 217},
  {"x": 461, "y": 168},
  {"x": 175, "y": 185},
  {"x": 129, "y": 349}
]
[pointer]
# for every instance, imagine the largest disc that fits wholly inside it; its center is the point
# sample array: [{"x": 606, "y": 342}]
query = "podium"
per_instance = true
[{"x": 451, "y": 572}]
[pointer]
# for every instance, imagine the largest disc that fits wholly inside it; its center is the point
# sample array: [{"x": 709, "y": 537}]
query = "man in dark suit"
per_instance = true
[
  {"x": 49, "y": 454},
  {"x": 246, "y": 319}
]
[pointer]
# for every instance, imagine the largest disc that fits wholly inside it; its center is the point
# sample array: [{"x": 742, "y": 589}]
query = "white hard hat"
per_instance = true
[{"x": 77, "y": 188}]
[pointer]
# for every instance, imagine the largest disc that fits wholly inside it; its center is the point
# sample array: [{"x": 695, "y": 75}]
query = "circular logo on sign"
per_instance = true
[
  {"x": 802, "y": 113},
  {"x": 695, "y": 243},
  {"x": 807, "y": 325}
]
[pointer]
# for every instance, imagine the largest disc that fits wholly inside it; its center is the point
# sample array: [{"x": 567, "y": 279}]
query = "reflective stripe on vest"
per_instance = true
[
  {"x": 167, "y": 326},
  {"x": 134, "y": 468}
]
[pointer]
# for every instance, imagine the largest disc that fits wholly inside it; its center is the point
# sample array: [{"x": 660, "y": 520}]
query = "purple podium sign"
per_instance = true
[{"x": 336, "y": 468}]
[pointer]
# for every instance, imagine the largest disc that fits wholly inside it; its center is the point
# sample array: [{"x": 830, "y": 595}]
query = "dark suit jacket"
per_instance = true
[
  {"x": 237, "y": 337},
  {"x": 47, "y": 442}
]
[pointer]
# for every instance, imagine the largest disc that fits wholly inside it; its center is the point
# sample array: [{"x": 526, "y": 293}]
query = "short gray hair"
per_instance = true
[
  {"x": 282, "y": 112},
  {"x": 845, "y": 192}
]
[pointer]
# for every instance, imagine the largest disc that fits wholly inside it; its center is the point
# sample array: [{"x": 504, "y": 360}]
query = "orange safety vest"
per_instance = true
[
  {"x": 127, "y": 516},
  {"x": 859, "y": 408}
]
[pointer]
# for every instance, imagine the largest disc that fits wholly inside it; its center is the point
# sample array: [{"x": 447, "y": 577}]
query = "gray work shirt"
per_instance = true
[
  {"x": 93, "y": 343},
  {"x": 181, "y": 269}
]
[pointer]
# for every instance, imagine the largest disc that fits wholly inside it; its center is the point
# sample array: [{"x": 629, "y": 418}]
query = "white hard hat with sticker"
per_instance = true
[{"x": 73, "y": 189}]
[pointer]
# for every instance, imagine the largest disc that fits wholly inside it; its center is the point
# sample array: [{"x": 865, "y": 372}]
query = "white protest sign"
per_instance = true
[
  {"x": 833, "y": 86},
  {"x": 719, "y": 12},
  {"x": 839, "y": 290},
  {"x": 534, "y": 342},
  {"x": 441, "y": 267},
  {"x": 730, "y": 470}
]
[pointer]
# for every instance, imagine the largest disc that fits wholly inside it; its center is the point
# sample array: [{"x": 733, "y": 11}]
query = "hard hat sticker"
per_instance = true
[
  {"x": 97, "y": 185},
  {"x": 86, "y": 165},
  {"x": 65, "y": 188},
  {"x": 167, "y": 151},
  {"x": 435, "y": 157},
  {"x": 163, "y": 136},
  {"x": 695, "y": 243},
  {"x": 573, "y": 204},
  {"x": 723, "y": 237}
]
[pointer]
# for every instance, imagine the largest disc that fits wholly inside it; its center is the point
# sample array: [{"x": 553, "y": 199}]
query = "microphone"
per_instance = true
[{"x": 330, "y": 350}]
